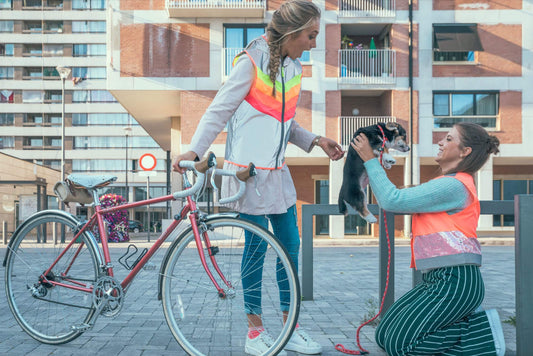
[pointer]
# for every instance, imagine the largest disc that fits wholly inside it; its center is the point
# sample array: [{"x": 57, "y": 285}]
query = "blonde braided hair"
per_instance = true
[{"x": 291, "y": 18}]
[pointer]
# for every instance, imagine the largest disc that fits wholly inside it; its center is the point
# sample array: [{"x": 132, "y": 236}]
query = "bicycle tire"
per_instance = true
[
  {"x": 201, "y": 321},
  {"x": 49, "y": 313}
]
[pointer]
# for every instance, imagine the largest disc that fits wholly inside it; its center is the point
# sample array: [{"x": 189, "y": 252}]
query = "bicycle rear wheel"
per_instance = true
[
  {"x": 46, "y": 312},
  {"x": 204, "y": 323}
]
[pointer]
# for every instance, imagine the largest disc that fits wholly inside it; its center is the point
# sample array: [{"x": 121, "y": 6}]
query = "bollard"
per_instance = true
[
  {"x": 4, "y": 232},
  {"x": 523, "y": 205}
]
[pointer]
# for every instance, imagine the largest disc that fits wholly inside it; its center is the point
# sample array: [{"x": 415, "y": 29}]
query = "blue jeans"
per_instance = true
[{"x": 285, "y": 228}]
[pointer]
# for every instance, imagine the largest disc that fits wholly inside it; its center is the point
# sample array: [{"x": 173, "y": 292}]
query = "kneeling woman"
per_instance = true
[{"x": 441, "y": 315}]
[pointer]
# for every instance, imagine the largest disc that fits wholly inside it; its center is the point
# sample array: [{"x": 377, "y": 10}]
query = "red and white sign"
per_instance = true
[{"x": 147, "y": 162}]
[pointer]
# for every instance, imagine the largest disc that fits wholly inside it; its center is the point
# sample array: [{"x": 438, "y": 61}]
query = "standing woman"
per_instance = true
[
  {"x": 441, "y": 316},
  {"x": 260, "y": 118}
]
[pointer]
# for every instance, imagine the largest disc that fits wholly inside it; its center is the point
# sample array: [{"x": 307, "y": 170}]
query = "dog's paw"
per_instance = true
[
  {"x": 387, "y": 161},
  {"x": 370, "y": 218}
]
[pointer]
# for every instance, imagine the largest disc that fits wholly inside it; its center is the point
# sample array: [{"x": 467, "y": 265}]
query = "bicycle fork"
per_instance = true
[{"x": 212, "y": 250}]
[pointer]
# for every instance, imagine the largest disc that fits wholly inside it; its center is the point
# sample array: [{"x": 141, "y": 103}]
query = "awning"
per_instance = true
[{"x": 456, "y": 38}]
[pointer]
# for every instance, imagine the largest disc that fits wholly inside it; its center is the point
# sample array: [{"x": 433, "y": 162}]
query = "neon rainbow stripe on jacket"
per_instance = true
[{"x": 260, "y": 95}]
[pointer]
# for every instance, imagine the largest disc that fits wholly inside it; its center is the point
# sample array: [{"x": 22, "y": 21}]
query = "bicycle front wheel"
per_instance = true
[
  {"x": 262, "y": 285},
  {"x": 50, "y": 313}
]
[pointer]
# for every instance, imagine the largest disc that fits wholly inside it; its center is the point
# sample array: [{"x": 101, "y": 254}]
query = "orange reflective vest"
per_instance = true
[
  {"x": 441, "y": 239},
  {"x": 259, "y": 129}
]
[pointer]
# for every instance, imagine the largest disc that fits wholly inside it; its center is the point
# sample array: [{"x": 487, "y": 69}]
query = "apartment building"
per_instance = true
[
  {"x": 100, "y": 136},
  {"x": 425, "y": 64}
]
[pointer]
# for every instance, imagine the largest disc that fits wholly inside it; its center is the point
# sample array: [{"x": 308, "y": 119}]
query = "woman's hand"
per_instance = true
[
  {"x": 331, "y": 148},
  {"x": 187, "y": 156},
  {"x": 361, "y": 145}
]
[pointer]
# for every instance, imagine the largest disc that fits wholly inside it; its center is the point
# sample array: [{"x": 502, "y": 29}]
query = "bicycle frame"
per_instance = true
[{"x": 189, "y": 209}]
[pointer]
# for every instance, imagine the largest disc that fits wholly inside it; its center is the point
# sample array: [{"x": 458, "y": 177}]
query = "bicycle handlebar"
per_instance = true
[
  {"x": 242, "y": 176},
  {"x": 199, "y": 168}
]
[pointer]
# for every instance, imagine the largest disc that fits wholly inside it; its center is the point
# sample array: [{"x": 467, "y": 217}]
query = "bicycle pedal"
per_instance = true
[{"x": 82, "y": 327}]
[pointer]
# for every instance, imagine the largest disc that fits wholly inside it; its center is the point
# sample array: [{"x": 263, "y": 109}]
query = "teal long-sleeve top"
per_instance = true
[{"x": 444, "y": 194}]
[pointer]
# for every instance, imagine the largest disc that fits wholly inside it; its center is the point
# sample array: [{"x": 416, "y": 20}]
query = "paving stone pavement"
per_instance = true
[{"x": 345, "y": 283}]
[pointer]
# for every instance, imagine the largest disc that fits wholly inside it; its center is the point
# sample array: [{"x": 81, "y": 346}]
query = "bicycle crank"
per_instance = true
[{"x": 108, "y": 296}]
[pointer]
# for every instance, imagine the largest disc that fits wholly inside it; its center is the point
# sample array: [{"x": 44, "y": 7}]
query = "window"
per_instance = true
[
  {"x": 81, "y": 50},
  {"x": 92, "y": 96},
  {"x": 33, "y": 142},
  {"x": 477, "y": 107},
  {"x": 140, "y": 192},
  {"x": 6, "y": 49},
  {"x": 34, "y": 49},
  {"x": 88, "y": 4},
  {"x": 38, "y": 119},
  {"x": 53, "y": 96},
  {"x": 6, "y": 4},
  {"x": 32, "y": 96},
  {"x": 6, "y": 72},
  {"x": 7, "y": 119},
  {"x": 54, "y": 26},
  {"x": 32, "y": 3},
  {"x": 33, "y": 26},
  {"x": 89, "y": 72},
  {"x": 6, "y": 26},
  {"x": 236, "y": 38},
  {"x": 116, "y": 119},
  {"x": 455, "y": 42},
  {"x": 50, "y": 72},
  {"x": 88, "y": 26},
  {"x": 506, "y": 189},
  {"x": 53, "y": 50},
  {"x": 7, "y": 142}
]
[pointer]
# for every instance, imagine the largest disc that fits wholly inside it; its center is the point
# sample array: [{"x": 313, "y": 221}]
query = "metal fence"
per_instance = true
[
  {"x": 348, "y": 125},
  {"x": 521, "y": 208},
  {"x": 367, "y": 8},
  {"x": 367, "y": 66}
]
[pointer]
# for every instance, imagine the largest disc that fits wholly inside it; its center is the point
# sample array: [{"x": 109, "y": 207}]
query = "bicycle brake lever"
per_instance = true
[{"x": 215, "y": 188}]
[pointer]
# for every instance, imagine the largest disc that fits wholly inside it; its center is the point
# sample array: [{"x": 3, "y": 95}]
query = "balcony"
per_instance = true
[
  {"x": 348, "y": 125},
  {"x": 367, "y": 66},
  {"x": 367, "y": 8},
  {"x": 216, "y": 8}
]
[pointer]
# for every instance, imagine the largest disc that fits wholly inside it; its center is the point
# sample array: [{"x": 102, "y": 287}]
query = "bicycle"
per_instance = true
[{"x": 59, "y": 292}]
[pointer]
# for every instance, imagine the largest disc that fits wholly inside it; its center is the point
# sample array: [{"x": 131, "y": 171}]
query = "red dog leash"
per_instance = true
[{"x": 363, "y": 351}]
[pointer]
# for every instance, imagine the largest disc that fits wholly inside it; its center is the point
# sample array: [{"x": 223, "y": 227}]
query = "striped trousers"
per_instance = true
[{"x": 435, "y": 317}]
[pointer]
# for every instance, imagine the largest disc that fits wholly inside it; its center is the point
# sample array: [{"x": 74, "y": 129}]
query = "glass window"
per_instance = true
[
  {"x": 7, "y": 142},
  {"x": 53, "y": 50},
  {"x": 306, "y": 56},
  {"x": 6, "y": 4},
  {"x": 450, "y": 108},
  {"x": 7, "y": 49},
  {"x": 101, "y": 96},
  {"x": 117, "y": 119},
  {"x": 54, "y": 26},
  {"x": 79, "y": 72},
  {"x": 79, "y": 50},
  {"x": 439, "y": 56},
  {"x": 7, "y": 119},
  {"x": 88, "y": 26},
  {"x": 6, "y": 72},
  {"x": 80, "y": 96},
  {"x": 33, "y": 26},
  {"x": 32, "y": 96},
  {"x": 96, "y": 73},
  {"x": 236, "y": 38},
  {"x": 6, "y": 26}
]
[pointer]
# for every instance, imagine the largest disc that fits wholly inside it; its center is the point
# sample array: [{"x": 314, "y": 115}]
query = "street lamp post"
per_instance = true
[
  {"x": 127, "y": 132},
  {"x": 64, "y": 73}
]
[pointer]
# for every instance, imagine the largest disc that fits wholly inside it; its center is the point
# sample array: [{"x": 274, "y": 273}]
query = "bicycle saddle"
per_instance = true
[{"x": 91, "y": 182}]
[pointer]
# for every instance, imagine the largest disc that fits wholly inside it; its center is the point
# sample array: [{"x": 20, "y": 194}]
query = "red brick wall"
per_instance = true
[
  {"x": 332, "y": 5},
  {"x": 333, "y": 44},
  {"x": 142, "y": 4},
  {"x": 332, "y": 113},
  {"x": 400, "y": 43},
  {"x": 274, "y": 4},
  {"x": 404, "y": 5},
  {"x": 472, "y": 4},
  {"x": 307, "y": 71},
  {"x": 164, "y": 50},
  {"x": 400, "y": 109},
  {"x": 501, "y": 57},
  {"x": 304, "y": 110},
  {"x": 193, "y": 106},
  {"x": 512, "y": 170}
]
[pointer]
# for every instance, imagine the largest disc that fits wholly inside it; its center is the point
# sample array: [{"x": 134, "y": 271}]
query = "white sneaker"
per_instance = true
[
  {"x": 260, "y": 344},
  {"x": 301, "y": 342},
  {"x": 497, "y": 331}
]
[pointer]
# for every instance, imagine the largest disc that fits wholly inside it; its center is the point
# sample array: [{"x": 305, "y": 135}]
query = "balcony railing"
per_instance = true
[
  {"x": 215, "y": 8},
  {"x": 228, "y": 54},
  {"x": 367, "y": 8},
  {"x": 367, "y": 66},
  {"x": 348, "y": 125}
]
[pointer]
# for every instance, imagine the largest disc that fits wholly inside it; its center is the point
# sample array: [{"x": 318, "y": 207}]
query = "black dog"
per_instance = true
[{"x": 355, "y": 180}]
